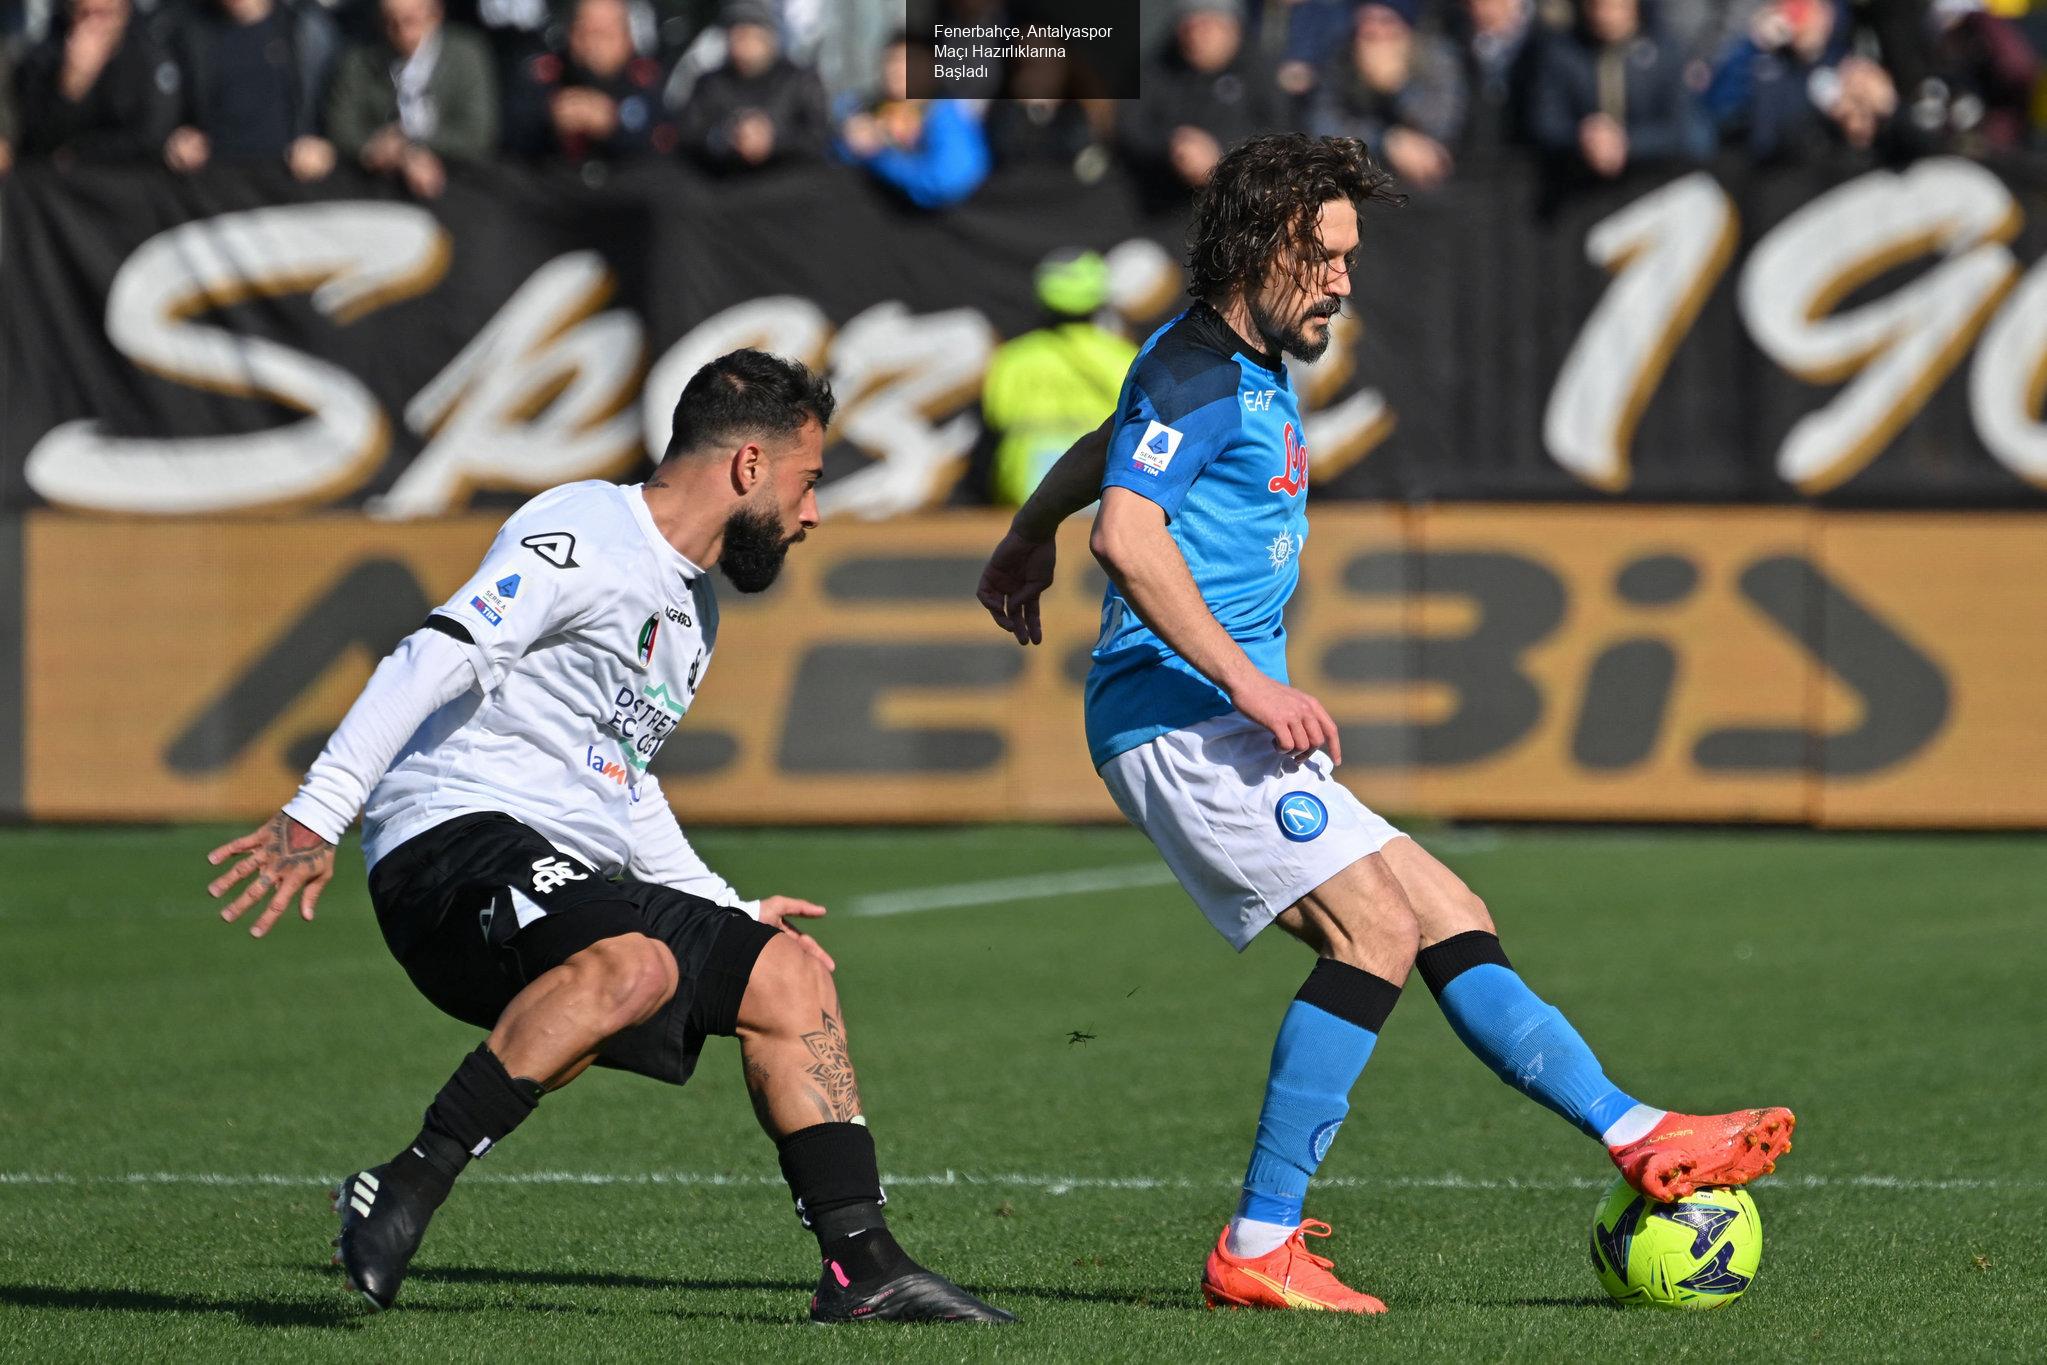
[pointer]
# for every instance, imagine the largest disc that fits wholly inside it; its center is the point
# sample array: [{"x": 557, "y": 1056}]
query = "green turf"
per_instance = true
[{"x": 1888, "y": 987}]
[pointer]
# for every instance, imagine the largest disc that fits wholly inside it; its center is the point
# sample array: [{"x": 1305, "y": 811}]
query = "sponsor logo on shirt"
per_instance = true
[
  {"x": 1155, "y": 448},
  {"x": 1281, "y": 550},
  {"x": 643, "y": 720},
  {"x": 1259, "y": 400},
  {"x": 1295, "y": 479},
  {"x": 610, "y": 769},
  {"x": 677, "y": 615},
  {"x": 486, "y": 612}
]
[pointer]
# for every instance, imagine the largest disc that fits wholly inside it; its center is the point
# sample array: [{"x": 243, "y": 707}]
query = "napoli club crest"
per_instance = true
[{"x": 1301, "y": 816}]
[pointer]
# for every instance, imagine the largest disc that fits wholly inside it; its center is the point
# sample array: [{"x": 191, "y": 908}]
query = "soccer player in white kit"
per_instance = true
[{"x": 528, "y": 873}]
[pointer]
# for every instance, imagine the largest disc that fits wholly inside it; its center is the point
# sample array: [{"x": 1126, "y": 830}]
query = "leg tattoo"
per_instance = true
[{"x": 836, "y": 1095}]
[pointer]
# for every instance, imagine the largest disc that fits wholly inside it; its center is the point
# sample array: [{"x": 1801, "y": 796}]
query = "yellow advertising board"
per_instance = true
[{"x": 1484, "y": 661}]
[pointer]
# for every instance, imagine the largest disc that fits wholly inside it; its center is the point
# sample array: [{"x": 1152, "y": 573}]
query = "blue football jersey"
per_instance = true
[{"x": 1208, "y": 429}]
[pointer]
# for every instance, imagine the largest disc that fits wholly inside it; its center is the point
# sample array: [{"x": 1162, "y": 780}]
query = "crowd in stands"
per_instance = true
[{"x": 1590, "y": 88}]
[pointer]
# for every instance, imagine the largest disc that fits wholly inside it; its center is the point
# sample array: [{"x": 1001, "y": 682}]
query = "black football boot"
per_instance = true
[
  {"x": 382, "y": 1222},
  {"x": 916, "y": 1295}
]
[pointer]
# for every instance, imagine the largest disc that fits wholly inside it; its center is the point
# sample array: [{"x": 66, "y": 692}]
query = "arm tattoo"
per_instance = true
[{"x": 832, "y": 1069}]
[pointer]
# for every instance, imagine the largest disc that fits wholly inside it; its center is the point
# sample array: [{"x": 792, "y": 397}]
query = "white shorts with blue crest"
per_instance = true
[{"x": 1246, "y": 829}]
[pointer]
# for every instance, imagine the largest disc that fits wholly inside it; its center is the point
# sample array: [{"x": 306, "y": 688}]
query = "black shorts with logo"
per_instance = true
[{"x": 476, "y": 908}]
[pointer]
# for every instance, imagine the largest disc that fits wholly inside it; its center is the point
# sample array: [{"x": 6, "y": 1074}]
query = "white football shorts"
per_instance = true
[{"x": 1246, "y": 829}]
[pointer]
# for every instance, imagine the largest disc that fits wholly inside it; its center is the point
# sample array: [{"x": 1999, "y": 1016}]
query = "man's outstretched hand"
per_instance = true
[
  {"x": 777, "y": 911},
  {"x": 1016, "y": 577},
  {"x": 287, "y": 859}
]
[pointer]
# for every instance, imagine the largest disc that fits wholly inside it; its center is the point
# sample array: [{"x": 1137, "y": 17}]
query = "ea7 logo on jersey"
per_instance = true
[
  {"x": 549, "y": 873},
  {"x": 1295, "y": 479},
  {"x": 1259, "y": 400},
  {"x": 1155, "y": 448}
]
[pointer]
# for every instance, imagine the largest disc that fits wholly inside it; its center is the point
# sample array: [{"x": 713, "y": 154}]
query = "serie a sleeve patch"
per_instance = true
[{"x": 1155, "y": 449}]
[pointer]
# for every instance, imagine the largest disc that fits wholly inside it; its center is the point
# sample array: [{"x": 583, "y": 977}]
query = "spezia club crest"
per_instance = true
[{"x": 1301, "y": 816}]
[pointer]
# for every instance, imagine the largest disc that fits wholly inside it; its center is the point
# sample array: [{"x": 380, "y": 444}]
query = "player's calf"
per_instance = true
[
  {"x": 545, "y": 1037},
  {"x": 800, "y": 1076},
  {"x": 385, "y": 1209}
]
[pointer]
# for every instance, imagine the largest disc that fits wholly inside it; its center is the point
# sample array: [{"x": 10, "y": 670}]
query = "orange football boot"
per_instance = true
[
  {"x": 1685, "y": 1152},
  {"x": 1289, "y": 1276}
]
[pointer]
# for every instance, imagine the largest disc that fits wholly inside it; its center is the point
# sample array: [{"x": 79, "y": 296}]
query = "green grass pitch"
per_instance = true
[{"x": 1063, "y": 1090}]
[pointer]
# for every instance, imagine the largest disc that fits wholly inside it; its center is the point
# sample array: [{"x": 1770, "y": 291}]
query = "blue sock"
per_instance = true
[
  {"x": 1527, "y": 1042},
  {"x": 1323, "y": 1045}
]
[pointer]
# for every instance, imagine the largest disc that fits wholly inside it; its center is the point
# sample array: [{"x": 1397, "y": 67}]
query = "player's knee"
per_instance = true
[
  {"x": 788, "y": 985},
  {"x": 1470, "y": 913},
  {"x": 633, "y": 976},
  {"x": 1383, "y": 944}
]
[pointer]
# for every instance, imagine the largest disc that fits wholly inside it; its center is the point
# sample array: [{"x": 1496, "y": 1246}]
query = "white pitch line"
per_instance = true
[
  {"x": 1002, "y": 890},
  {"x": 1047, "y": 1184}
]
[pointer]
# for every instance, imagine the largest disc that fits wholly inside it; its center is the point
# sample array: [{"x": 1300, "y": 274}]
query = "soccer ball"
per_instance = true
[{"x": 1699, "y": 1252}]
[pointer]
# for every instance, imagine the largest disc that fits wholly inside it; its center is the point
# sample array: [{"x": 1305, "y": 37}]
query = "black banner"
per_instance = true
[{"x": 233, "y": 341}]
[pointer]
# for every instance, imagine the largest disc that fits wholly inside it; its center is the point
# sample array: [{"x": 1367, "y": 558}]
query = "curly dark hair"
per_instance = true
[{"x": 1262, "y": 200}]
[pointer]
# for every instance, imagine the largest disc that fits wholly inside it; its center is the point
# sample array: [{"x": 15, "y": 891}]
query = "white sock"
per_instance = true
[
  {"x": 1251, "y": 1239},
  {"x": 1632, "y": 1126}
]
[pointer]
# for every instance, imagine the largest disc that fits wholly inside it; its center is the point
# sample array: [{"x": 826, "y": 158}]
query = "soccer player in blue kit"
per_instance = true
[{"x": 1202, "y": 474}]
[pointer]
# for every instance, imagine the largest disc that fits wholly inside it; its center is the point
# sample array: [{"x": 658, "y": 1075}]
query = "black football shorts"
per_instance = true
[{"x": 477, "y": 908}]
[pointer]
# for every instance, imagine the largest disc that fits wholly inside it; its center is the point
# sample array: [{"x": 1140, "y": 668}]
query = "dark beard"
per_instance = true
[
  {"x": 1292, "y": 340},
  {"x": 754, "y": 549}
]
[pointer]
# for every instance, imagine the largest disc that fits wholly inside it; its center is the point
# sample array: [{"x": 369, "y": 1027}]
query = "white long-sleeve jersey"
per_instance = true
[{"x": 542, "y": 688}]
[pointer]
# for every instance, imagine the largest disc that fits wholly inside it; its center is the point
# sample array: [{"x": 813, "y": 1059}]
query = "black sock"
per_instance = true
[
  {"x": 478, "y": 1107},
  {"x": 832, "y": 1172},
  {"x": 1442, "y": 963}
]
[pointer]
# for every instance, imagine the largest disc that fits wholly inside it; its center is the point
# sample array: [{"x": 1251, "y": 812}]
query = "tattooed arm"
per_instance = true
[{"x": 293, "y": 853}]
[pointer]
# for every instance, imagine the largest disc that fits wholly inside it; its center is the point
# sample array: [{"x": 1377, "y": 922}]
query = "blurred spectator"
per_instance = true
[
  {"x": 1045, "y": 124},
  {"x": 931, "y": 150},
  {"x": 678, "y": 23},
  {"x": 1497, "y": 42},
  {"x": 98, "y": 88},
  {"x": 426, "y": 92},
  {"x": 1051, "y": 386},
  {"x": 1205, "y": 92},
  {"x": 758, "y": 108},
  {"x": 1978, "y": 94},
  {"x": 838, "y": 40},
  {"x": 253, "y": 82},
  {"x": 1401, "y": 93},
  {"x": 1306, "y": 33},
  {"x": 599, "y": 100},
  {"x": 1610, "y": 94},
  {"x": 1794, "y": 89}
]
